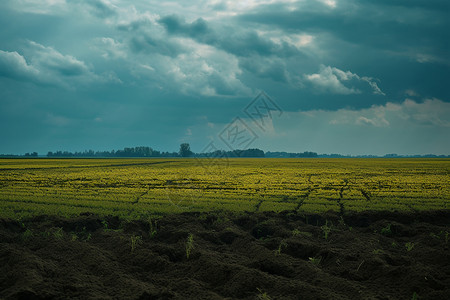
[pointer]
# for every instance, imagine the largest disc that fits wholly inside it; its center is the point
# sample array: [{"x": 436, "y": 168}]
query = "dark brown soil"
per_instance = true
[{"x": 372, "y": 255}]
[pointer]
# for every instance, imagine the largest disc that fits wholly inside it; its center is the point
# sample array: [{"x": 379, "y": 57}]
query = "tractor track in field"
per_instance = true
[
  {"x": 258, "y": 205},
  {"x": 303, "y": 198},
  {"x": 366, "y": 194},
  {"x": 87, "y": 167},
  {"x": 142, "y": 195},
  {"x": 341, "y": 197}
]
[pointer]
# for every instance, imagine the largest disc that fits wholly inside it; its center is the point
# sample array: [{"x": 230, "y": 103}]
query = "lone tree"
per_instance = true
[{"x": 185, "y": 150}]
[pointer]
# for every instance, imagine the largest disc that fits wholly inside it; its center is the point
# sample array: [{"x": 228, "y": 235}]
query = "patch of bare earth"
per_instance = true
[{"x": 290, "y": 255}]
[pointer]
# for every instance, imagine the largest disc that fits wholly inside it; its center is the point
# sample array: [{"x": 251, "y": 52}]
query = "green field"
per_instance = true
[{"x": 134, "y": 187}]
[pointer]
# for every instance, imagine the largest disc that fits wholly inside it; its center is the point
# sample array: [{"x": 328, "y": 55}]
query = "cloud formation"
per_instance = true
[
  {"x": 44, "y": 65},
  {"x": 136, "y": 67},
  {"x": 409, "y": 127},
  {"x": 331, "y": 79},
  {"x": 51, "y": 61},
  {"x": 430, "y": 112},
  {"x": 13, "y": 65}
]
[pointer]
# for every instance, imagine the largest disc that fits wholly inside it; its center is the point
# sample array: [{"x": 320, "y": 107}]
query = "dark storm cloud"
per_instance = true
[
  {"x": 387, "y": 25},
  {"x": 13, "y": 65},
  {"x": 53, "y": 61},
  {"x": 177, "y": 25},
  {"x": 42, "y": 65},
  {"x": 435, "y": 5},
  {"x": 395, "y": 42},
  {"x": 149, "y": 44},
  {"x": 99, "y": 8},
  {"x": 250, "y": 43},
  {"x": 107, "y": 74},
  {"x": 258, "y": 55},
  {"x": 275, "y": 69},
  {"x": 232, "y": 39},
  {"x": 102, "y": 9}
]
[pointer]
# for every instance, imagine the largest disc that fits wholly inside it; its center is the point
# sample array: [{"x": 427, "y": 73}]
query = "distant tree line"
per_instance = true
[
  {"x": 126, "y": 152},
  {"x": 185, "y": 151},
  {"x": 234, "y": 153},
  {"x": 286, "y": 154},
  {"x": 28, "y": 154}
]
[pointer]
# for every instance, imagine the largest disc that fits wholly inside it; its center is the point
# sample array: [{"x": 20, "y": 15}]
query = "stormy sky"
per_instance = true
[{"x": 338, "y": 76}]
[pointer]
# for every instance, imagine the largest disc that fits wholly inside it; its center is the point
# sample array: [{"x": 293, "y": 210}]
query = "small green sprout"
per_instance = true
[
  {"x": 377, "y": 251},
  {"x": 73, "y": 237},
  {"x": 386, "y": 230},
  {"x": 21, "y": 223},
  {"x": 434, "y": 235},
  {"x": 315, "y": 260},
  {"x": 263, "y": 295},
  {"x": 297, "y": 232},
  {"x": 153, "y": 227},
  {"x": 326, "y": 230},
  {"x": 105, "y": 224},
  {"x": 409, "y": 246},
  {"x": 58, "y": 233},
  {"x": 135, "y": 241},
  {"x": 45, "y": 234},
  {"x": 27, "y": 234},
  {"x": 282, "y": 245},
  {"x": 189, "y": 245}
]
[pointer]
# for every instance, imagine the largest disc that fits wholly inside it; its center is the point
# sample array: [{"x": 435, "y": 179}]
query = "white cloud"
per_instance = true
[
  {"x": 329, "y": 3},
  {"x": 411, "y": 93},
  {"x": 330, "y": 79},
  {"x": 327, "y": 81},
  {"x": 102, "y": 8},
  {"x": 45, "y": 65},
  {"x": 409, "y": 127},
  {"x": 110, "y": 48},
  {"x": 14, "y": 65},
  {"x": 198, "y": 70},
  {"x": 429, "y": 58},
  {"x": 45, "y": 7},
  {"x": 375, "y": 89},
  {"x": 208, "y": 71},
  {"x": 129, "y": 18},
  {"x": 56, "y": 120},
  {"x": 421, "y": 57},
  {"x": 297, "y": 40},
  {"x": 430, "y": 112},
  {"x": 232, "y": 8},
  {"x": 147, "y": 67},
  {"x": 51, "y": 61}
]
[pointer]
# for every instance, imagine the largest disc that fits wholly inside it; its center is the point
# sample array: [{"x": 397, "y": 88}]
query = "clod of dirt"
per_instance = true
[{"x": 370, "y": 255}]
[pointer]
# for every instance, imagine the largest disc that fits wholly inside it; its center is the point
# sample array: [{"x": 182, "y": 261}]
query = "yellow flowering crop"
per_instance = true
[{"x": 135, "y": 187}]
